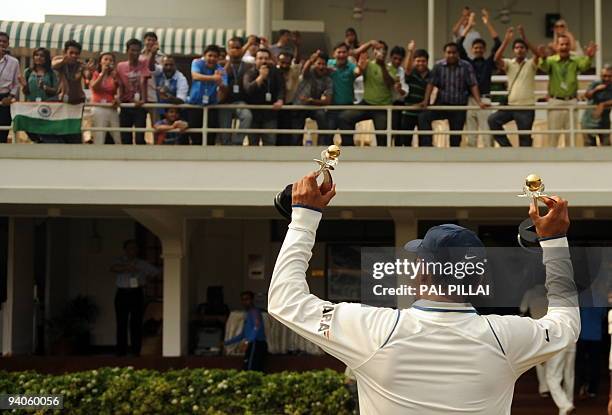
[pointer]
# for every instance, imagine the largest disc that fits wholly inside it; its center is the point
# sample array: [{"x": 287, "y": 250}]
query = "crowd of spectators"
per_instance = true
[{"x": 252, "y": 71}]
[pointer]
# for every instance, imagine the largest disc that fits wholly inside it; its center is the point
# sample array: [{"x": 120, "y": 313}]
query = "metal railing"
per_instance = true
[{"x": 389, "y": 132}]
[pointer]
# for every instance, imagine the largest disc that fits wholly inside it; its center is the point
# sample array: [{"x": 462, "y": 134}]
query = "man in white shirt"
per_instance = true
[
  {"x": 440, "y": 356},
  {"x": 9, "y": 84}
]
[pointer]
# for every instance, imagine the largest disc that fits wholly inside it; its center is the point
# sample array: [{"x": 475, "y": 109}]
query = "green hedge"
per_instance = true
[{"x": 119, "y": 391}]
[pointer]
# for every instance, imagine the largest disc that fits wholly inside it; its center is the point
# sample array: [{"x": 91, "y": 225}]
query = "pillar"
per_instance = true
[
  {"x": 18, "y": 309},
  {"x": 174, "y": 233}
]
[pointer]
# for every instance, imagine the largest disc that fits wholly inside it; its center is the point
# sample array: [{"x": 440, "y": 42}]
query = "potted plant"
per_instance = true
[{"x": 70, "y": 330}]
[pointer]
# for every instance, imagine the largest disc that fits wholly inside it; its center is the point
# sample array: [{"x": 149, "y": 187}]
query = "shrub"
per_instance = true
[{"x": 116, "y": 391}]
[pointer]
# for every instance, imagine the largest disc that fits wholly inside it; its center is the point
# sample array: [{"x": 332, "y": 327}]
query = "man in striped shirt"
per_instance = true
[
  {"x": 456, "y": 81},
  {"x": 417, "y": 78}
]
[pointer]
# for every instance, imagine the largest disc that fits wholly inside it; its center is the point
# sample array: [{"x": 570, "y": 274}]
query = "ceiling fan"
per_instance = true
[
  {"x": 505, "y": 13},
  {"x": 359, "y": 9}
]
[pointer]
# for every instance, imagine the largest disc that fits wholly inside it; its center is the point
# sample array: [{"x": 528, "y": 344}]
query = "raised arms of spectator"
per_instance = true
[
  {"x": 463, "y": 19},
  {"x": 309, "y": 62},
  {"x": 534, "y": 50},
  {"x": 499, "y": 54},
  {"x": 584, "y": 62},
  {"x": 365, "y": 47},
  {"x": 58, "y": 61},
  {"x": 410, "y": 48},
  {"x": 362, "y": 63},
  {"x": 592, "y": 91},
  {"x": 487, "y": 21}
]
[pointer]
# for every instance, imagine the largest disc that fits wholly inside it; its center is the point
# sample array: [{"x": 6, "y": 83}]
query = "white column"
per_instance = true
[
  {"x": 430, "y": 27},
  {"x": 598, "y": 36},
  {"x": 172, "y": 229},
  {"x": 406, "y": 229},
  {"x": 252, "y": 17},
  {"x": 265, "y": 19},
  {"x": 18, "y": 309}
]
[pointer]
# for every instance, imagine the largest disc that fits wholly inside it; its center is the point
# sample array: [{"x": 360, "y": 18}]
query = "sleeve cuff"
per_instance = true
[
  {"x": 554, "y": 242},
  {"x": 305, "y": 218}
]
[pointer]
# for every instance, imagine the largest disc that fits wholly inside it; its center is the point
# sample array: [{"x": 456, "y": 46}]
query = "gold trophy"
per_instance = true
[
  {"x": 329, "y": 160},
  {"x": 534, "y": 190}
]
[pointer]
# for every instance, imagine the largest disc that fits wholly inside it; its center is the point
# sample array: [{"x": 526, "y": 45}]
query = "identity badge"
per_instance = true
[
  {"x": 236, "y": 89},
  {"x": 268, "y": 97},
  {"x": 205, "y": 99}
]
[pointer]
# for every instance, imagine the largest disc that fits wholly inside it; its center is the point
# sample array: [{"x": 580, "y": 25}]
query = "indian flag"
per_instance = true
[{"x": 47, "y": 117}]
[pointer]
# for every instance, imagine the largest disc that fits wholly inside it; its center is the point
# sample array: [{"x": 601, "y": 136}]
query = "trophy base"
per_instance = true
[
  {"x": 527, "y": 236},
  {"x": 282, "y": 202}
]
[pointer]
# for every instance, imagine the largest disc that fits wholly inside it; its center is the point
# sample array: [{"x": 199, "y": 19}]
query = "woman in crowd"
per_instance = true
[
  {"x": 104, "y": 86},
  {"x": 352, "y": 41},
  {"x": 39, "y": 82}
]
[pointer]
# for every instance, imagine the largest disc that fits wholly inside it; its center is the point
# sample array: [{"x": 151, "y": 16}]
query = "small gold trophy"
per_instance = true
[
  {"x": 533, "y": 189},
  {"x": 329, "y": 160}
]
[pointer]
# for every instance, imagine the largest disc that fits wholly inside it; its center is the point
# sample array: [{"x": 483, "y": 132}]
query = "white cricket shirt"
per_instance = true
[{"x": 434, "y": 358}]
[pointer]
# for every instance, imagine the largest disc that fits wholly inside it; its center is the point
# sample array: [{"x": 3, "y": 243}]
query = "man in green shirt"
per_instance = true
[
  {"x": 563, "y": 69},
  {"x": 379, "y": 80}
]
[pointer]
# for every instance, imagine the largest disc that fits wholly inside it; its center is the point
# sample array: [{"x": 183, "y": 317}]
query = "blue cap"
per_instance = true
[{"x": 448, "y": 242}]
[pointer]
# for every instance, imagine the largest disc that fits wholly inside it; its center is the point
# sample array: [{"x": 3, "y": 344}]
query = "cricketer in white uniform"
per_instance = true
[{"x": 437, "y": 357}]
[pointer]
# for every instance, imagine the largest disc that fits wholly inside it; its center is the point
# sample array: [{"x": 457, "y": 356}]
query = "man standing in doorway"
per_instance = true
[
  {"x": 253, "y": 336},
  {"x": 132, "y": 273}
]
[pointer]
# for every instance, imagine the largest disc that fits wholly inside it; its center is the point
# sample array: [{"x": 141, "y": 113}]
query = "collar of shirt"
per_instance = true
[{"x": 443, "y": 307}]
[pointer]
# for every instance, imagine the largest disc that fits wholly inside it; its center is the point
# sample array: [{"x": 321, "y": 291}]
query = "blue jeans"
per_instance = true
[{"x": 524, "y": 121}]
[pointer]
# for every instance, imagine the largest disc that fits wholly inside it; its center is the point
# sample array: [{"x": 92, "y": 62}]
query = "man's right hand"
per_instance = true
[
  {"x": 556, "y": 221},
  {"x": 306, "y": 192},
  {"x": 264, "y": 71}
]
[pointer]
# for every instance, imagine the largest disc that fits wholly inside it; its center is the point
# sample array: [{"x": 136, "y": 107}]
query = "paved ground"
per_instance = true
[{"x": 528, "y": 402}]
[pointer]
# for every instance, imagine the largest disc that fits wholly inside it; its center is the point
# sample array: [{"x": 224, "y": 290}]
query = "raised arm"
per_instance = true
[
  {"x": 410, "y": 48},
  {"x": 526, "y": 341},
  {"x": 350, "y": 332},
  {"x": 365, "y": 47},
  {"x": 487, "y": 22},
  {"x": 463, "y": 18},
  {"x": 499, "y": 55},
  {"x": 534, "y": 50}
]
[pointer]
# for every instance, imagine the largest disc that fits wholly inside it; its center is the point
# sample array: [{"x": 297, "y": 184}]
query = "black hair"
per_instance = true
[
  {"x": 398, "y": 50},
  {"x": 450, "y": 45},
  {"x": 250, "y": 293},
  {"x": 382, "y": 42},
  {"x": 99, "y": 65},
  {"x": 519, "y": 41},
  {"x": 72, "y": 44},
  {"x": 323, "y": 56},
  {"x": 353, "y": 31},
  {"x": 283, "y": 32},
  {"x": 5, "y": 35},
  {"x": 266, "y": 50},
  {"x": 47, "y": 54},
  {"x": 341, "y": 45},
  {"x": 213, "y": 49},
  {"x": 129, "y": 242},
  {"x": 420, "y": 53},
  {"x": 481, "y": 41},
  {"x": 236, "y": 39},
  {"x": 133, "y": 41},
  {"x": 150, "y": 34},
  {"x": 284, "y": 53},
  {"x": 222, "y": 50}
]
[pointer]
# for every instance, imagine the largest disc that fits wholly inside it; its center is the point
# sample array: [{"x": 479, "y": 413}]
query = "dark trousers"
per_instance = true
[
  {"x": 349, "y": 118},
  {"x": 299, "y": 119},
  {"x": 132, "y": 117},
  {"x": 588, "y": 354},
  {"x": 591, "y": 140},
  {"x": 456, "y": 119},
  {"x": 267, "y": 120},
  {"x": 255, "y": 356},
  {"x": 524, "y": 121},
  {"x": 408, "y": 123},
  {"x": 5, "y": 120},
  {"x": 196, "y": 120},
  {"x": 286, "y": 121},
  {"x": 129, "y": 304}
]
